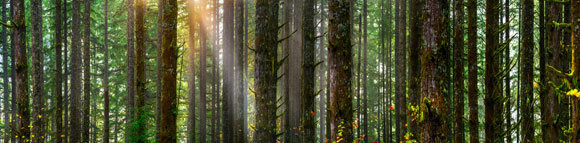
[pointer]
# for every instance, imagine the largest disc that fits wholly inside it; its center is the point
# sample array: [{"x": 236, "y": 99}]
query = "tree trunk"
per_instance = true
[
  {"x": 228, "y": 68},
  {"x": 308, "y": 99},
  {"x": 86, "y": 71},
  {"x": 322, "y": 77},
  {"x": 169, "y": 59},
  {"x": 527, "y": 76},
  {"x": 191, "y": 72},
  {"x": 5, "y": 85},
  {"x": 550, "y": 105},
  {"x": 140, "y": 73},
  {"x": 202, "y": 73},
  {"x": 340, "y": 61},
  {"x": 415, "y": 41},
  {"x": 58, "y": 75},
  {"x": 240, "y": 132},
  {"x": 159, "y": 67},
  {"x": 37, "y": 70},
  {"x": 75, "y": 97},
  {"x": 106, "y": 76},
  {"x": 21, "y": 69},
  {"x": 266, "y": 41},
  {"x": 508, "y": 66},
  {"x": 401, "y": 71},
  {"x": 458, "y": 70},
  {"x": 493, "y": 100},
  {"x": 285, "y": 87},
  {"x": 566, "y": 60},
  {"x": 365, "y": 74},
  {"x": 434, "y": 108},
  {"x": 66, "y": 99},
  {"x": 472, "y": 93},
  {"x": 294, "y": 70},
  {"x": 130, "y": 71}
]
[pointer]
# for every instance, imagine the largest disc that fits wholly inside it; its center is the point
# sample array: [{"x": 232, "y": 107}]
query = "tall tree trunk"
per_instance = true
[
  {"x": 66, "y": 99},
  {"x": 493, "y": 100},
  {"x": 58, "y": 74},
  {"x": 308, "y": 99},
  {"x": 401, "y": 72},
  {"x": 240, "y": 134},
  {"x": 550, "y": 105},
  {"x": 322, "y": 77},
  {"x": 508, "y": 112},
  {"x": 37, "y": 70},
  {"x": 215, "y": 76},
  {"x": 6, "y": 88},
  {"x": 415, "y": 41},
  {"x": 75, "y": 97},
  {"x": 472, "y": 93},
  {"x": 86, "y": 71},
  {"x": 458, "y": 71},
  {"x": 169, "y": 59},
  {"x": 266, "y": 41},
  {"x": 340, "y": 64},
  {"x": 364, "y": 74},
  {"x": 202, "y": 73},
  {"x": 140, "y": 73},
  {"x": 21, "y": 69},
  {"x": 130, "y": 114},
  {"x": 527, "y": 76},
  {"x": 294, "y": 70},
  {"x": 389, "y": 65},
  {"x": 285, "y": 87},
  {"x": 566, "y": 60},
  {"x": 159, "y": 69},
  {"x": 228, "y": 68},
  {"x": 106, "y": 76},
  {"x": 130, "y": 71},
  {"x": 433, "y": 60},
  {"x": 191, "y": 72}
]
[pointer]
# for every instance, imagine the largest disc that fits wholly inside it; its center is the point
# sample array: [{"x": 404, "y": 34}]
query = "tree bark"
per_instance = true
[
  {"x": 266, "y": 41},
  {"x": 550, "y": 105},
  {"x": 308, "y": 99},
  {"x": 401, "y": 71},
  {"x": 527, "y": 75},
  {"x": 58, "y": 74},
  {"x": 365, "y": 73},
  {"x": 240, "y": 132},
  {"x": 458, "y": 70},
  {"x": 415, "y": 41},
  {"x": 37, "y": 70},
  {"x": 508, "y": 112},
  {"x": 433, "y": 69},
  {"x": 6, "y": 88},
  {"x": 294, "y": 65},
  {"x": 202, "y": 73},
  {"x": 322, "y": 76},
  {"x": 140, "y": 73},
  {"x": 493, "y": 100},
  {"x": 159, "y": 69},
  {"x": 191, "y": 72},
  {"x": 228, "y": 68},
  {"x": 75, "y": 103},
  {"x": 106, "y": 76},
  {"x": 130, "y": 71},
  {"x": 472, "y": 93},
  {"x": 86, "y": 105},
  {"x": 169, "y": 80},
  {"x": 340, "y": 64}
]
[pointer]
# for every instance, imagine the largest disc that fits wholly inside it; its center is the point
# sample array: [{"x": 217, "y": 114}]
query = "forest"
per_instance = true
[{"x": 290, "y": 71}]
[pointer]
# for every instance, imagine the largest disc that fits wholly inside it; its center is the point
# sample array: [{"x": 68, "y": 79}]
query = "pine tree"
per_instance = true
[
  {"x": 340, "y": 66},
  {"x": 37, "y": 70},
  {"x": 75, "y": 103},
  {"x": 434, "y": 108},
  {"x": 266, "y": 42},
  {"x": 140, "y": 73},
  {"x": 58, "y": 74},
  {"x": 458, "y": 70},
  {"x": 239, "y": 134},
  {"x": 169, "y": 80},
  {"x": 472, "y": 93},
  {"x": 308, "y": 97}
]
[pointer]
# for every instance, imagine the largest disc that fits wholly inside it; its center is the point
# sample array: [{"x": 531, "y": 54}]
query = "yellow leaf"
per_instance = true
[
  {"x": 62, "y": 136},
  {"x": 39, "y": 116}
]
